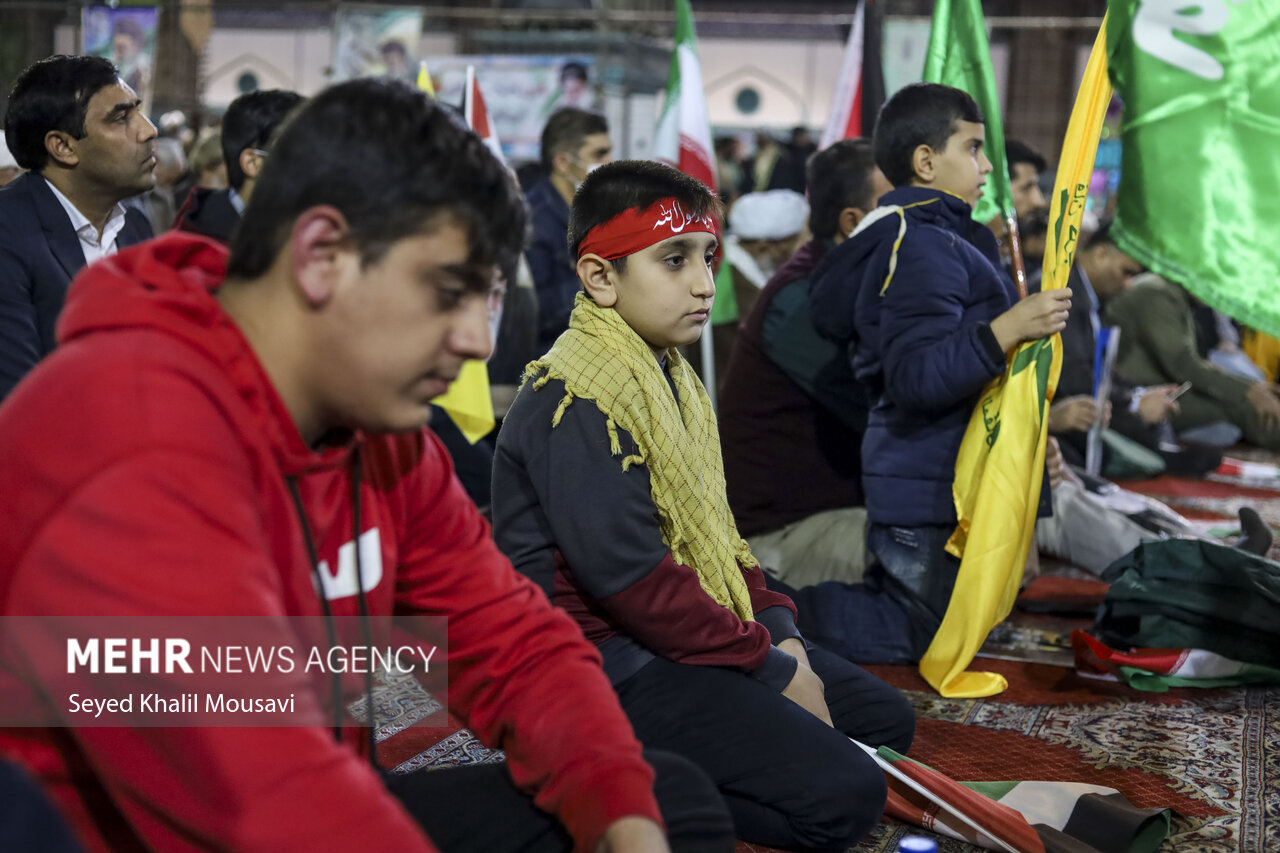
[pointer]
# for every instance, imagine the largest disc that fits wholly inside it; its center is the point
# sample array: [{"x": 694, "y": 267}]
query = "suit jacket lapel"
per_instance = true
[
  {"x": 63, "y": 242},
  {"x": 136, "y": 229}
]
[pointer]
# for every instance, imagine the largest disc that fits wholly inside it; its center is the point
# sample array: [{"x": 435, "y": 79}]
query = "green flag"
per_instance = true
[
  {"x": 1200, "y": 176},
  {"x": 725, "y": 308},
  {"x": 958, "y": 56}
]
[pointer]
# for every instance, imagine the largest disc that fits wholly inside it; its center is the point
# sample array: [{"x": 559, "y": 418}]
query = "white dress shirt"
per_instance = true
[{"x": 93, "y": 246}]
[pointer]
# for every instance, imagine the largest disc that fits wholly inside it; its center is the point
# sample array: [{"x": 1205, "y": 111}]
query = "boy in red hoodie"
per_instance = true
[{"x": 215, "y": 432}]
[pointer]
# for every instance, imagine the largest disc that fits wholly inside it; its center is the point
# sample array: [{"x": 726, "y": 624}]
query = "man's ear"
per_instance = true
[
  {"x": 849, "y": 219},
  {"x": 319, "y": 249},
  {"x": 598, "y": 280},
  {"x": 61, "y": 148},
  {"x": 250, "y": 163},
  {"x": 922, "y": 162}
]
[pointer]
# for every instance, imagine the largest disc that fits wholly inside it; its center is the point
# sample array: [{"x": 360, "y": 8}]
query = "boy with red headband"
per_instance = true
[{"x": 609, "y": 492}]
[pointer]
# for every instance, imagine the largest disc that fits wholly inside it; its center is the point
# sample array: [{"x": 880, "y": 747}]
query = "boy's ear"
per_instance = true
[
  {"x": 922, "y": 163},
  {"x": 318, "y": 245},
  {"x": 597, "y": 277}
]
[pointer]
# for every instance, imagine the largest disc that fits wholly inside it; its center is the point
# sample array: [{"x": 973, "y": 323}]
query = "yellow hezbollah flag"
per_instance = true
[
  {"x": 424, "y": 80},
  {"x": 467, "y": 401},
  {"x": 1001, "y": 460}
]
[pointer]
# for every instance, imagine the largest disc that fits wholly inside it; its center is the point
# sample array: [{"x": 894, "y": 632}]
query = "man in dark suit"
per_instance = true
[
  {"x": 247, "y": 128},
  {"x": 80, "y": 132}
]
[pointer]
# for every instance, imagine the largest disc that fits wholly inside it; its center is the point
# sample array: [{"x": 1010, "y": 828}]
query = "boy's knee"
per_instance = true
[
  {"x": 898, "y": 723},
  {"x": 697, "y": 819},
  {"x": 848, "y": 802},
  {"x": 875, "y": 713}
]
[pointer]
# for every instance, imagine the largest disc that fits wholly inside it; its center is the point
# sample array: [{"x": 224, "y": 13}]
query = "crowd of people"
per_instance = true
[{"x": 656, "y": 611}]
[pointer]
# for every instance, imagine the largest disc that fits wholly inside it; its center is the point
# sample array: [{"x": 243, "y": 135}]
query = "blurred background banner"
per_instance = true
[
  {"x": 126, "y": 36},
  {"x": 374, "y": 42},
  {"x": 520, "y": 91}
]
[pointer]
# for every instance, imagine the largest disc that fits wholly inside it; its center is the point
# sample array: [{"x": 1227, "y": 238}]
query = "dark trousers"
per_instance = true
[
  {"x": 789, "y": 779},
  {"x": 892, "y": 615},
  {"x": 477, "y": 809}
]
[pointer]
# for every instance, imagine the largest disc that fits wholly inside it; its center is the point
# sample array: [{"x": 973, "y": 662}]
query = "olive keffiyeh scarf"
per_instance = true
[{"x": 600, "y": 358}]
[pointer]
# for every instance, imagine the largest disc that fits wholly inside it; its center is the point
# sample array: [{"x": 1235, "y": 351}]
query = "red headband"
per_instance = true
[{"x": 633, "y": 230}]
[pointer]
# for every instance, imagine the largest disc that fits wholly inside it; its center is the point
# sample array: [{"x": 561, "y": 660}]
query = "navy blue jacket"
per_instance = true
[
  {"x": 39, "y": 255},
  {"x": 923, "y": 346},
  {"x": 209, "y": 213},
  {"x": 555, "y": 277}
]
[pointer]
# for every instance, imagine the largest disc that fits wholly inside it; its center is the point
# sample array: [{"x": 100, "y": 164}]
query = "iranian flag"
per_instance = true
[
  {"x": 1019, "y": 817},
  {"x": 860, "y": 92},
  {"x": 683, "y": 137},
  {"x": 468, "y": 401},
  {"x": 1157, "y": 670},
  {"x": 476, "y": 115}
]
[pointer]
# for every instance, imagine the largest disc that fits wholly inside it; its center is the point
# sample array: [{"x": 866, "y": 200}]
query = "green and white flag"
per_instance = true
[
  {"x": 1199, "y": 195},
  {"x": 683, "y": 137},
  {"x": 958, "y": 55}
]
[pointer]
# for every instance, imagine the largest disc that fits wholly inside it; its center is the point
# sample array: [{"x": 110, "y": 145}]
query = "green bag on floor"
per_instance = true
[{"x": 1192, "y": 594}]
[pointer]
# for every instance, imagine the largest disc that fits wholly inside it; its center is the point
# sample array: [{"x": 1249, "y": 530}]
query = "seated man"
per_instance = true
[
  {"x": 247, "y": 128},
  {"x": 791, "y": 412},
  {"x": 609, "y": 492},
  {"x": 1158, "y": 346},
  {"x": 79, "y": 130},
  {"x": 239, "y": 424},
  {"x": 1131, "y": 443},
  {"x": 763, "y": 231}
]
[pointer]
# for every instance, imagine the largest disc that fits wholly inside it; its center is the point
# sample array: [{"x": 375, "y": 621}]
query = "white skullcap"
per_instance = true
[
  {"x": 6, "y": 157},
  {"x": 1089, "y": 221},
  {"x": 770, "y": 215}
]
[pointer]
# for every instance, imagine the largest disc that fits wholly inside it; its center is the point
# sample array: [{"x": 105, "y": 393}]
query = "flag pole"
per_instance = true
[
  {"x": 1015, "y": 254},
  {"x": 707, "y": 348}
]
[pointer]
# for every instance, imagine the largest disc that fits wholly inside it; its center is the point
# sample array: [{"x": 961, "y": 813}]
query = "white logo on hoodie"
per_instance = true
[{"x": 343, "y": 584}]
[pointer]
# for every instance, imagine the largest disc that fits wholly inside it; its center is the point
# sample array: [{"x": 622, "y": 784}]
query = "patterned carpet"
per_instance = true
[{"x": 1211, "y": 755}]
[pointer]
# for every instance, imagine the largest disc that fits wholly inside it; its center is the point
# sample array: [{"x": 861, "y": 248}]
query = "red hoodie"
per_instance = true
[{"x": 144, "y": 472}]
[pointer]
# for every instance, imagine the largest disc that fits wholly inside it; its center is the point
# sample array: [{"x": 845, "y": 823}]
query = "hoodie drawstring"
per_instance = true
[
  {"x": 330, "y": 628},
  {"x": 356, "y": 473}
]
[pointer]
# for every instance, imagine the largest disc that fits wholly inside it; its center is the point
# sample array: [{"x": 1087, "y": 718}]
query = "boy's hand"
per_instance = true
[
  {"x": 1059, "y": 470},
  {"x": 1038, "y": 316},
  {"x": 795, "y": 648},
  {"x": 633, "y": 835},
  {"x": 807, "y": 691},
  {"x": 1053, "y": 461}
]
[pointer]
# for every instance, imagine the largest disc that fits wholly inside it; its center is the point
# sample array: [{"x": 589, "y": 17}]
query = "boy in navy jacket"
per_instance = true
[{"x": 918, "y": 296}]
